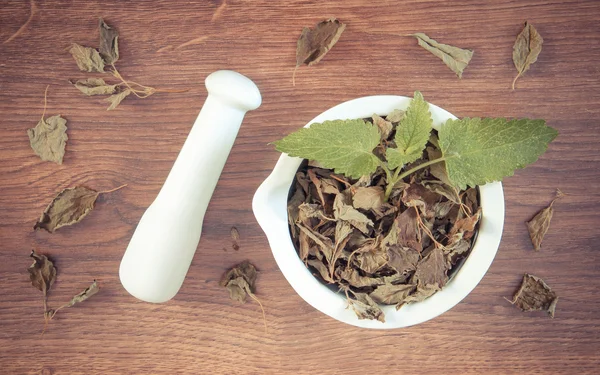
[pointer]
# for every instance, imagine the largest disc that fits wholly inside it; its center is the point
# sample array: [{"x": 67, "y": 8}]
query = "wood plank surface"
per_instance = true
[{"x": 201, "y": 331}]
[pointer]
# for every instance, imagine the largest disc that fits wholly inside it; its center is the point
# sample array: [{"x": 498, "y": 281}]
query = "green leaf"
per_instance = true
[
  {"x": 478, "y": 151},
  {"x": 412, "y": 133},
  {"x": 344, "y": 145}
]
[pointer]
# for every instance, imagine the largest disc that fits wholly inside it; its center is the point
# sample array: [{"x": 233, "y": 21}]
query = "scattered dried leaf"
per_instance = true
[
  {"x": 526, "y": 50},
  {"x": 314, "y": 43},
  {"x": 116, "y": 99},
  {"x": 455, "y": 58},
  {"x": 69, "y": 207},
  {"x": 48, "y": 138},
  {"x": 535, "y": 295},
  {"x": 87, "y": 59},
  {"x": 95, "y": 86},
  {"x": 109, "y": 43},
  {"x": 539, "y": 224}
]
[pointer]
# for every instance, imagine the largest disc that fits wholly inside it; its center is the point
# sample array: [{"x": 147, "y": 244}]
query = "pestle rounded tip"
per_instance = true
[{"x": 235, "y": 88}]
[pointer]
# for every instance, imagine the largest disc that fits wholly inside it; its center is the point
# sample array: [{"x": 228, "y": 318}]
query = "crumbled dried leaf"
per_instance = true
[
  {"x": 391, "y": 294},
  {"x": 240, "y": 282},
  {"x": 109, "y": 43},
  {"x": 116, "y": 99},
  {"x": 526, "y": 50},
  {"x": 69, "y": 207},
  {"x": 535, "y": 295},
  {"x": 314, "y": 43},
  {"x": 385, "y": 126},
  {"x": 368, "y": 198},
  {"x": 539, "y": 224},
  {"x": 95, "y": 86},
  {"x": 432, "y": 269},
  {"x": 455, "y": 58},
  {"x": 344, "y": 211},
  {"x": 87, "y": 59},
  {"x": 365, "y": 307},
  {"x": 402, "y": 259},
  {"x": 49, "y": 138},
  {"x": 395, "y": 116}
]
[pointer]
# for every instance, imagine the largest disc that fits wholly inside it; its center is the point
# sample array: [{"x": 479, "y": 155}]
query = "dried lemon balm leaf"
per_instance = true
[
  {"x": 526, "y": 50},
  {"x": 239, "y": 281},
  {"x": 314, "y": 43},
  {"x": 538, "y": 226},
  {"x": 535, "y": 295},
  {"x": 87, "y": 59},
  {"x": 48, "y": 138},
  {"x": 69, "y": 207}
]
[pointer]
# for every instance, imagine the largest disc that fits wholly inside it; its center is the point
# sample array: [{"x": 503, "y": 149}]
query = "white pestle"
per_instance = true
[{"x": 162, "y": 247}]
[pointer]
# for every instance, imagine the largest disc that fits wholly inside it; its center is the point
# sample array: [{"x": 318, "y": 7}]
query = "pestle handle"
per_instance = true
[{"x": 162, "y": 247}]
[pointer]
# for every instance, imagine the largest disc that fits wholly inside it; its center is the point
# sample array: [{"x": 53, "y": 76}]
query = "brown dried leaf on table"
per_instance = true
[
  {"x": 344, "y": 211},
  {"x": 87, "y": 59},
  {"x": 538, "y": 226},
  {"x": 116, "y": 99},
  {"x": 109, "y": 43},
  {"x": 78, "y": 298},
  {"x": 49, "y": 138},
  {"x": 526, "y": 50},
  {"x": 314, "y": 43},
  {"x": 455, "y": 58},
  {"x": 368, "y": 198},
  {"x": 395, "y": 116},
  {"x": 385, "y": 126},
  {"x": 69, "y": 207},
  {"x": 240, "y": 281},
  {"x": 42, "y": 274},
  {"x": 95, "y": 86},
  {"x": 535, "y": 295}
]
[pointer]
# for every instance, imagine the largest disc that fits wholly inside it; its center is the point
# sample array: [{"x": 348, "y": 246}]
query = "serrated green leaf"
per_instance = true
[
  {"x": 478, "y": 151},
  {"x": 412, "y": 133},
  {"x": 344, "y": 145}
]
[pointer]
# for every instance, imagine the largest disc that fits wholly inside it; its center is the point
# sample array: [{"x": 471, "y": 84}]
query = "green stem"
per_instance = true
[
  {"x": 388, "y": 173},
  {"x": 393, "y": 179},
  {"x": 420, "y": 166}
]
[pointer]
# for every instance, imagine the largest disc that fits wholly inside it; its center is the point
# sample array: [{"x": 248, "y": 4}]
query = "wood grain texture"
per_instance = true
[{"x": 201, "y": 331}]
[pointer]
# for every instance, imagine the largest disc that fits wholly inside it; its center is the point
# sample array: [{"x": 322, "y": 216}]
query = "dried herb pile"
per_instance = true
[
  {"x": 379, "y": 252},
  {"x": 387, "y": 208}
]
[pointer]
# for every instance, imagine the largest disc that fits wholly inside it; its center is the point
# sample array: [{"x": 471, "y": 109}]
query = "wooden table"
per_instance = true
[{"x": 176, "y": 44}]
